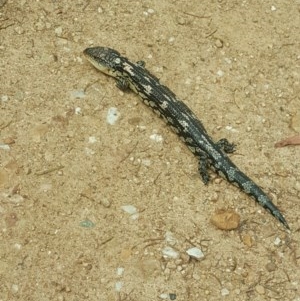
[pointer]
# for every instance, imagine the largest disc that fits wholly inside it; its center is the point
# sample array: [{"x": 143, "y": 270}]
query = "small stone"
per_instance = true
[
  {"x": 295, "y": 122},
  {"x": 164, "y": 296},
  {"x": 87, "y": 224},
  {"x": 14, "y": 288},
  {"x": 112, "y": 115},
  {"x": 220, "y": 73},
  {"x": 118, "y": 286},
  {"x": 171, "y": 40},
  {"x": 4, "y": 98},
  {"x": 105, "y": 202},
  {"x": 77, "y": 94},
  {"x": 195, "y": 253},
  {"x": 271, "y": 267},
  {"x": 4, "y": 147},
  {"x": 219, "y": 43},
  {"x": 130, "y": 209},
  {"x": 120, "y": 271},
  {"x": 169, "y": 252},
  {"x": 58, "y": 31},
  {"x": 181, "y": 21},
  {"x": 224, "y": 292},
  {"x": 247, "y": 240},
  {"x": 277, "y": 241},
  {"x": 225, "y": 219},
  {"x": 78, "y": 111},
  {"x": 260, "y": 289},
  {"x": 156, "y": 138}
]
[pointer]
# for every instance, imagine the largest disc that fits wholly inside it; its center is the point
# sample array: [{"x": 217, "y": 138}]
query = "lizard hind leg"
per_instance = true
[
  {"x": 226, "y": 146},
  {"x": 122, "y": 83},
  {"x": 203, "y": 167}
]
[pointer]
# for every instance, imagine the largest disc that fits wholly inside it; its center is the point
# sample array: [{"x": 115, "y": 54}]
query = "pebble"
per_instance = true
[
  {"x": 5, "y": 147},
  {"x": 220, "y": 73},
  {"x": 132, "y": 210},
  {"x": 92, "y": 139},
  {"x": 105, "y": 202},
  {"x": 120, "y": 271},
  {"x": 295, "y": 122},
  {"x": 195, "y": 253},
  {"x": 260, "y": 289},
  {"x": 247, "y": 240},
  {"x": 224, "y": 292},
  {"x": 77, "y": 94},
  {"x": 226, "y": 219},
  {"x": 118, "y": 285},
  {"x": 169, "y": 252},
  {"x": 277, "y": 241},
  {"x": 112, "y": 115},
  {"x": 4, "y": 98},
  {"x": 181, "y": 21},
  {"x": 271, "y": 267},
  {"x": 58, "y": 31},
  {"x": 273, "y": 8},
  {"x": 87, "y": 224},
  {"x": 218, "y": 43},
  {"x": 14, "y": 288},
  {"x": 78, "y": 111},
  {"x": 156, "y": 138}
]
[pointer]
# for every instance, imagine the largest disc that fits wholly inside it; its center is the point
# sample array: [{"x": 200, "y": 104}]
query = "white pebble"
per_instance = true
[
  {"x": 195, "y": 253},
  {"x": 156, "y": 138},
  {"x": 92, "y": 139},
  {"x": 118, "y": 285},
  {"x": 224, "y": 292},
  {"x": 4, "y": 98},
  {"x": 18, "y": 246},
  {"x": 5, "y": 147},
  {"x": 58, "y": 31},
  {"x": 169, "y": 252},
  {"x": 146, "y": 162},
  {"x": 78, "y": 111},
  {"x": 15, "y": 288},
  {"x": 77, "y": 94},
  {"x": 120, "y": 271},
  {"x": 131, "y": 210},
  {"x": 164, "y": 296},
  {"x": 171, "y": 39},
  {"x": 112, "y": 115},
  {"x": 277, "y": 241},
  {"x": 220, "y": 73}
]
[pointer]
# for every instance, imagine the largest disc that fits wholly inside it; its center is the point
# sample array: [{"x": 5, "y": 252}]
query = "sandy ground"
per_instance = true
[{"x": 66, "y": 173}]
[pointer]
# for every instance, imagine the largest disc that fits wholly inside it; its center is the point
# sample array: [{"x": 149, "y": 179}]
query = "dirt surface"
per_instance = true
[{"x": 98, "y": 211}]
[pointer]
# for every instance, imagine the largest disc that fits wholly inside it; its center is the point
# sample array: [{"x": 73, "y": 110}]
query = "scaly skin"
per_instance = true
[{"x": 181, "y": 119}]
